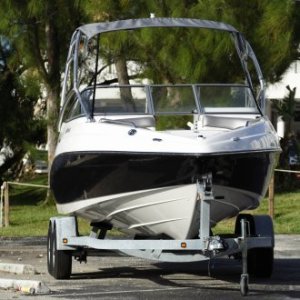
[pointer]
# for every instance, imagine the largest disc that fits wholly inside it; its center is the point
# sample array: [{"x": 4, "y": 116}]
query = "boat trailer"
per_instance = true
[{"x": 253, "y": 242}]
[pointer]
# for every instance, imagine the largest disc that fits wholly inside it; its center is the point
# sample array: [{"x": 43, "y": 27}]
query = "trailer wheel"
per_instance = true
[
  {"x": 49, "y": 250},
  {"x": 59, "y": 261},
  {"x": 260, "y": 262},
  {"x": 244, "y": 287}
]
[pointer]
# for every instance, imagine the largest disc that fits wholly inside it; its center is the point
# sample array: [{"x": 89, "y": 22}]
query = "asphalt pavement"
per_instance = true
[{"x": 121, "y": 277}]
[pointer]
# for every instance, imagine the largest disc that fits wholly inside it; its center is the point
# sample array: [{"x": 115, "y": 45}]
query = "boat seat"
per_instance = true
[{"x": 226, "y": 122}]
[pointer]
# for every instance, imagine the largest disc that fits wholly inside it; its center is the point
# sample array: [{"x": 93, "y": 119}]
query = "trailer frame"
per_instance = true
[{"x": 65, "y": 242}]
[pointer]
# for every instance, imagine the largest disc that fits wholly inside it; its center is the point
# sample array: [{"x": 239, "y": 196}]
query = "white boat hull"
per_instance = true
[
  {"x": 131, "y": 154},
  {"x": 172, "y": 211}
]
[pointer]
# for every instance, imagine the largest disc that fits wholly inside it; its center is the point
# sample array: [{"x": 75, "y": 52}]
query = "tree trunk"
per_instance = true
[
  {"x": 52, "y": 84},
  {"x": 122, "y": 71},
  {"x": 52, "y": 115},
  {"x": 123, "y": 79}
]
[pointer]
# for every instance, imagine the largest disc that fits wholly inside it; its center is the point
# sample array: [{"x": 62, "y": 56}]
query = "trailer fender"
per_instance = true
[{"x": 65, "y": 227}]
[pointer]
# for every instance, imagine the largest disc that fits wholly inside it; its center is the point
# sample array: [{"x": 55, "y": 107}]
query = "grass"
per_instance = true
[
  {"x": 28, "y": 217},
  {"x": 286, "y": 221},
  {"x": 36, "y": 154}
]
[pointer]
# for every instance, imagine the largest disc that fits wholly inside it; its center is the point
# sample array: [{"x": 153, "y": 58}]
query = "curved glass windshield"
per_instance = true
[{"x": 163, "y": 100}]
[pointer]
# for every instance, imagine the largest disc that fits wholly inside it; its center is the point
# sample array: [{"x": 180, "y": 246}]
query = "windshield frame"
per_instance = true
[{"x": 87, "y": 32}]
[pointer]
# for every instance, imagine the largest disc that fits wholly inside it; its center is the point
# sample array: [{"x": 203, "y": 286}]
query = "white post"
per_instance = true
[
  {"x": 1, "y": 205},
  {"x": 280, "y": 127},
  {"x": 271, "y": 198},
  {"x": 6, "y": 204}
]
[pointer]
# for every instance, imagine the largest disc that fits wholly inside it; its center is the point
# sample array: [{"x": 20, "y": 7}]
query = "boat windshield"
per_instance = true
[
  {"x": 189, "y": 99},
  {"x": 164, "y": 100},
  {"x": 114, "y": 68}
]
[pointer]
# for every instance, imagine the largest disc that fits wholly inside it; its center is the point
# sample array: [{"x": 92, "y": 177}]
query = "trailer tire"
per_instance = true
[
  {"x": 244, "y": 287},
  {"x": 59, "y": 261},
  {"x": 49, "y": 250},
  {"x": 260, "y": 262}
]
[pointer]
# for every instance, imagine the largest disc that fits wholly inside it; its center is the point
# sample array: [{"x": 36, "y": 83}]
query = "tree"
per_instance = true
[
  {"x": 111, "y": 11},
  {"x": 147, "y": 46},
  {"x": 16, "y": 109},
  {"x": 40, "y": 32},
  {"x": 286, "y": 109},
  {"x": 290, "y": 147},
  {"x": 272, "y": 27}
]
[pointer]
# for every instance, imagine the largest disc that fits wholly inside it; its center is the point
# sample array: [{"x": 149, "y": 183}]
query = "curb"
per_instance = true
[
  {"x": 17, "y": 268},
  {"x": 25, "y": 286},
  {"x": 288, "y": 254}
]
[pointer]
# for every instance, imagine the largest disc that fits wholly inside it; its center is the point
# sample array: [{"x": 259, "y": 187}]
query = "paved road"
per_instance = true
[{"x": 112, "y": 277}]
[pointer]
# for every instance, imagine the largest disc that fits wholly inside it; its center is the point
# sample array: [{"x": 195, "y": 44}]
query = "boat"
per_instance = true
[{"x": 131, "y": 154}]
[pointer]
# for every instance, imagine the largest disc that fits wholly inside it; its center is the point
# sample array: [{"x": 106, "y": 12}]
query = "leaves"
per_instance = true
[
  {"x": 286, "y": 109},
  {"x": 15, "y": 109},
  {"x": 38, "y": 56}
]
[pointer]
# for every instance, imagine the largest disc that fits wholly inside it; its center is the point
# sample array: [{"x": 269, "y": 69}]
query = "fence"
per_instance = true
[
  {"x": 4, "y": 200},
  {"x": 271, "y": 191}
]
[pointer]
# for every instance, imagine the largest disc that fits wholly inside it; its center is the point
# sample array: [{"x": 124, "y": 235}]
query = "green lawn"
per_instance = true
[
  {"x": 286, "y": 221},
  {"x": 28, "y": 217}
]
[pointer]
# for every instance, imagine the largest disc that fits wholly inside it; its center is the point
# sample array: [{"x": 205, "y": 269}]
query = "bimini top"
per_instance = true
[{"x": 95, "y": 28}]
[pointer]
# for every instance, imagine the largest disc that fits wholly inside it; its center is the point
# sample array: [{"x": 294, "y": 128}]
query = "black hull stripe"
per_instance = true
[{"x": 79, "y": 176}]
